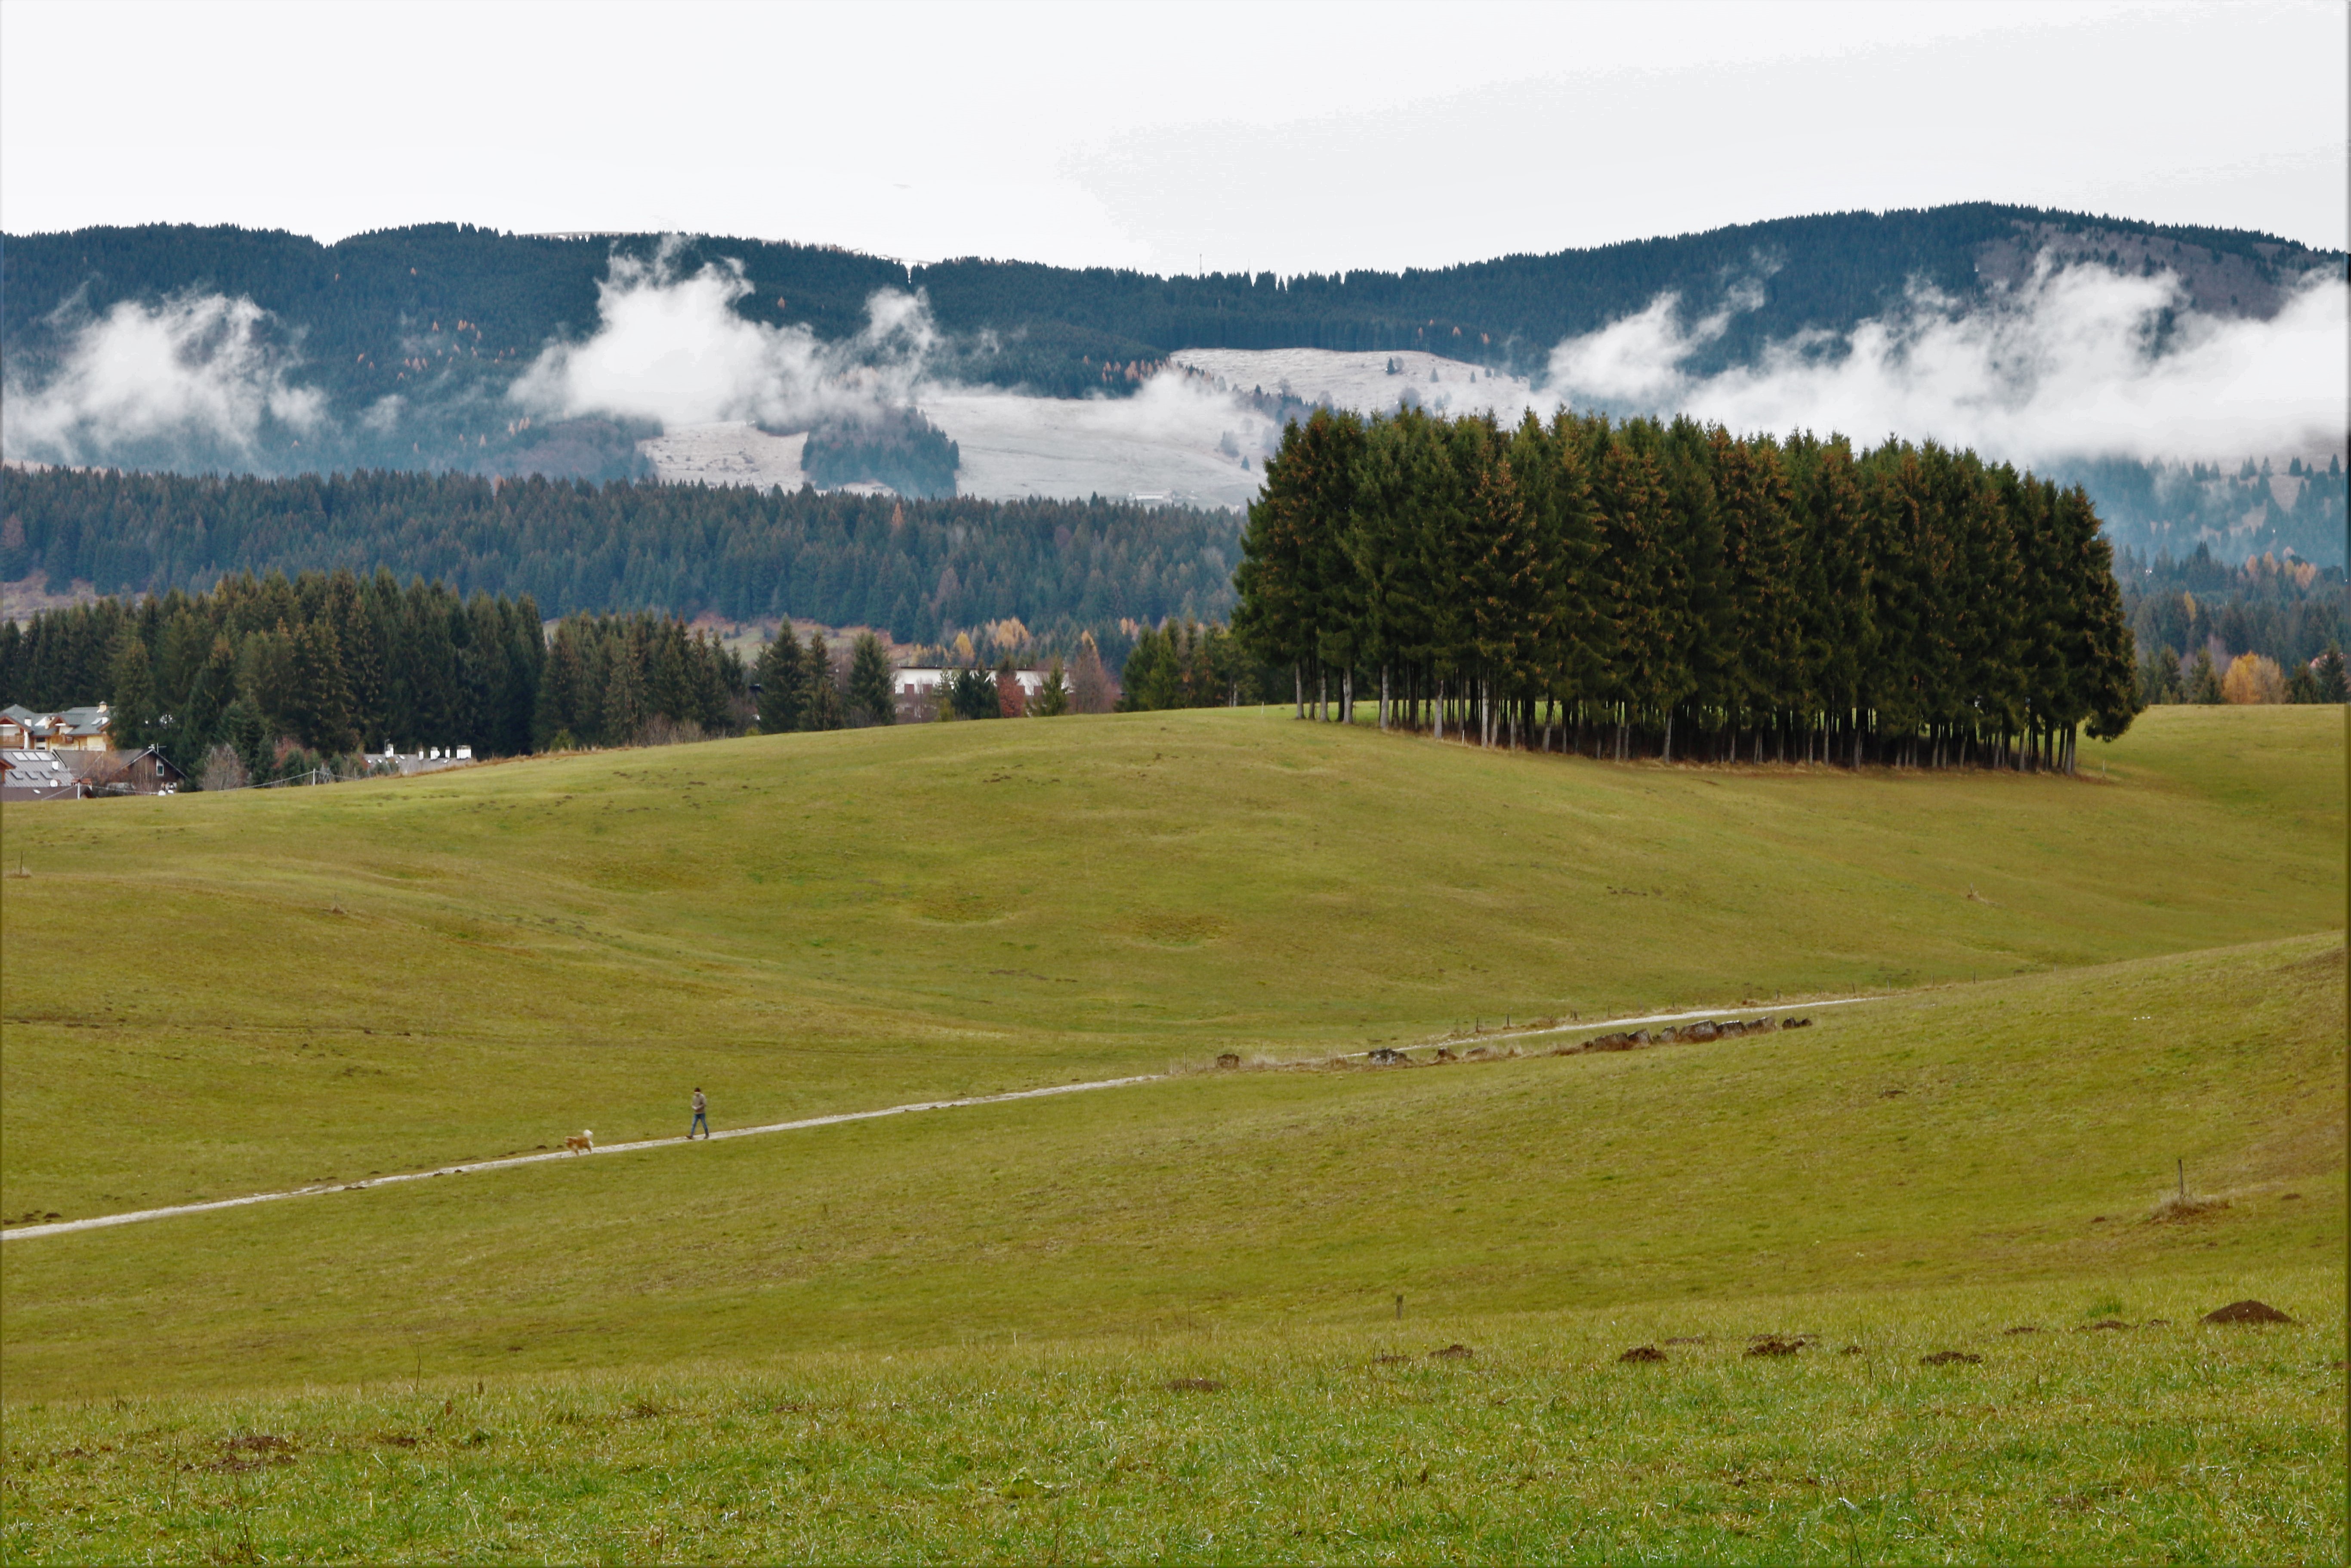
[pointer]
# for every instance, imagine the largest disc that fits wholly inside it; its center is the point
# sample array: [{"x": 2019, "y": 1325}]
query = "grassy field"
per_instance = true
[
  {"x": 952, "y": 1337},
  {"x": 2012, "y": 1129},
  {"x": 2152, "y": 1443},
  {"x": 217, "y": 995}
]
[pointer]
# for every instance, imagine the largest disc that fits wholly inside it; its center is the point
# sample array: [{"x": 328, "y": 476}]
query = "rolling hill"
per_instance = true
[
  {"x": 1908, "y": 1279},
  {"x": 298, "y": 985}
]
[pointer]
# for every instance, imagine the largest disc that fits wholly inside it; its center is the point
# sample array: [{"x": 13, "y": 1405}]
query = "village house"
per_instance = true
[
  {"x": 147, "y": 772},
  {"x": 36, "y": 774},
  {"x": 74, "y": 729}
]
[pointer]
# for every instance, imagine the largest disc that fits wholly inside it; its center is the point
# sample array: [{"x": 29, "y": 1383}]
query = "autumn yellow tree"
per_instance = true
[{"x": 2254, "y": 678}]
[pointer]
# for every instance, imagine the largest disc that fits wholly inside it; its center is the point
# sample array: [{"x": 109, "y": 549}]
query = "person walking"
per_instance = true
[{"x": 701, "y": 1117}]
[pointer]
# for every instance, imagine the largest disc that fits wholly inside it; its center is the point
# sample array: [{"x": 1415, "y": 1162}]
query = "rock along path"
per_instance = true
[{"x": 61, "y": 1226}]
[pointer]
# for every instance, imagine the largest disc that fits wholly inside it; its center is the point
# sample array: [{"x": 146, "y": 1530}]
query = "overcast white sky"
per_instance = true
[{"x": 1288, "y": 139}]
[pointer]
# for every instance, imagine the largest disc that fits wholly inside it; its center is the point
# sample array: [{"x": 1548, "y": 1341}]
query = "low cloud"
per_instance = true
[
  {"x": 2076, "y": 361},
  {"x": 195, "y": 379},
  {"x": 1177, "y": 408},
  {"x": 669, "y": 347}
]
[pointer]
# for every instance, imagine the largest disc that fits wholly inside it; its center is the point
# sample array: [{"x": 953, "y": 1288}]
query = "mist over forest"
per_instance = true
[{"x": 2188, "y": 377}]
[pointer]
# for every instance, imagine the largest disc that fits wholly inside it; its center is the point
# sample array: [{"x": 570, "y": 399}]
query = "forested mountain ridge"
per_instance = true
[
  {"x": 368, "y": 316},
  {"x": 923, "y": 570}
]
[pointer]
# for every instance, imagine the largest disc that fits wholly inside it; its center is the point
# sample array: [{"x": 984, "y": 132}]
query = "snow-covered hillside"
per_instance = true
[
  {"x": 1367, "y": 383},
  {"x": 730, "y": 452},
  {"x": 1197, "y": 439}
]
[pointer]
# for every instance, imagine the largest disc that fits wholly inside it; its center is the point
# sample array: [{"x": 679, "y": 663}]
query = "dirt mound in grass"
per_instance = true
[
  {"x": 250, "y": 1452},
  {"x": 1773, "y": 1345},
  {"x": 1643, "y": 1353},
  {"x": 1949, "y": 1357},
  {"x": 2105, "y": 1323},
  {"x": 1452, "y": 1353},
  {"x": 2246, "y": 1312}
]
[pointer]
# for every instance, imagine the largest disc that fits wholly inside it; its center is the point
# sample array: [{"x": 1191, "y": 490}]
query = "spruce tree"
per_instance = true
[
  {"x": 1052, "y": 698},
  {"x": 131, "y": 714},
  {"x": 320, "y": 710},
  {"x": 783, "y": 684},
  {"x": 2328, "y": 675},
  {"x": 2204, "y": 681},
  {"x": 820, "y": 705},
  {"x": 871, "y": 698}
]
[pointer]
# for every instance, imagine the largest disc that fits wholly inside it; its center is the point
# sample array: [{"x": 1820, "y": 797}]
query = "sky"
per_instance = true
[{"x": 1168, "y": 138}]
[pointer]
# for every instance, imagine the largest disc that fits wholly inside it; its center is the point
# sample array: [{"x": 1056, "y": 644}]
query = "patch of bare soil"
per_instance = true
[
  {"x": 1194, "y": 1386},
  {"x": 2178, "y": 1206},
  {"x": 2246, "y": 1312},
  {"x": 1643, "y": 1353},
  {"x": 250, "y": 1452},
  {"x": 1771, "y": 1344},
  {"x": 2104, "y": 1323},
  {"x": 1950, "y": 1357},
  {"x": 2022, "y": 1328},
  {"x": 1452, "y": 1353}
]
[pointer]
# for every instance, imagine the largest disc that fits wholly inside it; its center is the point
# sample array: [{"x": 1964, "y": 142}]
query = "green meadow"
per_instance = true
[
  {"x": 1191, "y": 1318},
  {"x": 256, "y": 990}
]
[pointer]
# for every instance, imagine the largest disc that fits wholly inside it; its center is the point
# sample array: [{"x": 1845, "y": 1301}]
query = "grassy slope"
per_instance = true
[
  {"x": 1959, "y": 1136},
  {"x": 215, "y": 995},
  {"x": 827, "y": 1344}
]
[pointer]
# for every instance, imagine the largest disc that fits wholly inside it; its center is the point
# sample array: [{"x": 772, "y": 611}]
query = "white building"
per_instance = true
[{"x": 922, "y": 680}]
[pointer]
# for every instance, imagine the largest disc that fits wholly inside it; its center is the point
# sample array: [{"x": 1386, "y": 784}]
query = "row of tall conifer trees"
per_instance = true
[{"x": 1673, "y": 589}]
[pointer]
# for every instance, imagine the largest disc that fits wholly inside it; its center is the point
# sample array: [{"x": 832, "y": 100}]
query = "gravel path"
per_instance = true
[{"x": 61, "y": 1227}]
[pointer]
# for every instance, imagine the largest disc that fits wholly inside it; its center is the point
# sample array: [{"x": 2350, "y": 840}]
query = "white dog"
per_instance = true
[{"x": 585, "y": 1143}]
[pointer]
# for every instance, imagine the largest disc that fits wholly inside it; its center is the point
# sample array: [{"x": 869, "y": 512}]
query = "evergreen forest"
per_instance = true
[
  {"x": 919, "y": 569},
  {"x": 1672, "y": 590},
  {"x": 893, "y": 446},
  {"x": 329, "y": 663}
]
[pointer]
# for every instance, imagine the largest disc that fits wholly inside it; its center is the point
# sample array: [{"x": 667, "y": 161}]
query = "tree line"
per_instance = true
[
  {"x": 331, "y": 662},
  {"x": 1185, "y": 664},
  {"x": 2195, "y": 615},
  {"x": 1641, "y": 587},
  {"x": 919, "y": 569}
]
